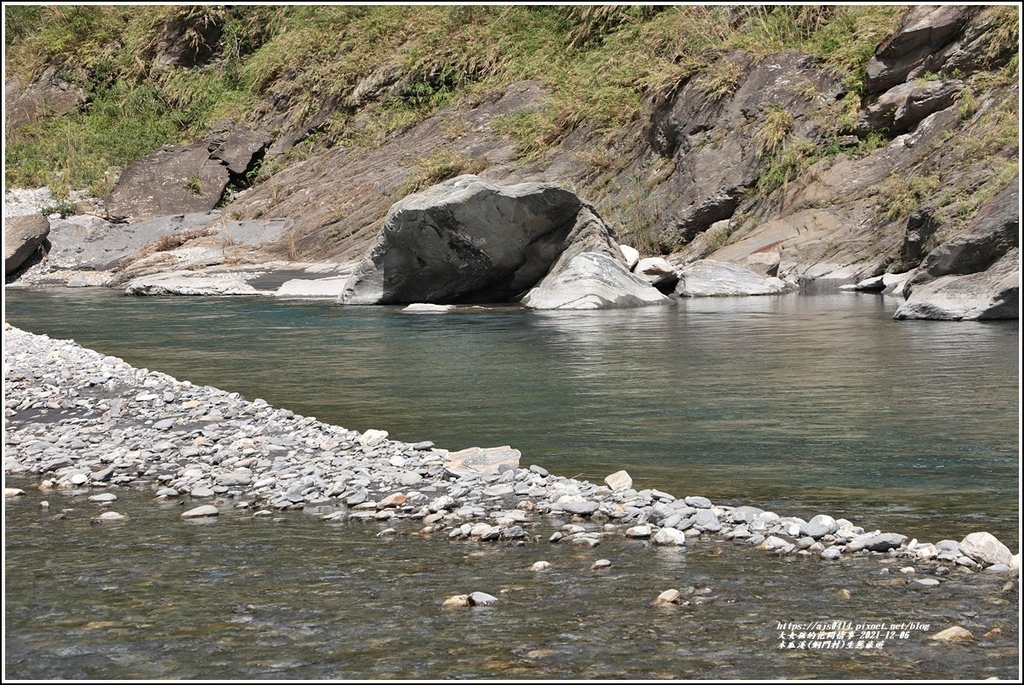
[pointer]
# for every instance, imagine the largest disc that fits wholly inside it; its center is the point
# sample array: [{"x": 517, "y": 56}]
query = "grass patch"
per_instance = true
[
  {"x": 440, "y": 165},
  {"x": 900, "y": 196}
]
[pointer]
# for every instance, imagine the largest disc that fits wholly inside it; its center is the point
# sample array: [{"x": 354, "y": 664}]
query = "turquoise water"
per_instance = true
[
  {"x": 805, "y": 404},
  {"x": 800, "y": 404}
]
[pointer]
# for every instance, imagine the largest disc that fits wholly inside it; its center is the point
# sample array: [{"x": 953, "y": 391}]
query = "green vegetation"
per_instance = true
[
  {"x": 902, "y": 195},
  {"x": 440, "y": 165},
  {"x": 375, "y": 70}
]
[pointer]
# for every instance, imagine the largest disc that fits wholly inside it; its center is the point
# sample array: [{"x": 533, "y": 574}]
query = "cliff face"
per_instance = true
[{"x": 773, "y": 162}]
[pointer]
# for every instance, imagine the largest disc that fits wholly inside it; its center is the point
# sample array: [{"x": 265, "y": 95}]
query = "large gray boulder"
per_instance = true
[
  {"x": 467, "y": 240},
  {"x": 23, "y": 235},
  {"x": 708, "y": 278}
]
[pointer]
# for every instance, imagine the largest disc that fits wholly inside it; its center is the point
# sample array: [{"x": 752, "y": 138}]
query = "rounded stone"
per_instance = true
[
  {"x": 202, "y": 511},
  {"x": 110, "y": 517},
  {"x": 482, "y": 599}
]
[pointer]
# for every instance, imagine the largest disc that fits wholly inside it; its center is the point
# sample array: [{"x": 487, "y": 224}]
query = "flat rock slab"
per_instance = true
[
  {"x": 483, "y": 460},
  {"x": 190, "y": 283}
]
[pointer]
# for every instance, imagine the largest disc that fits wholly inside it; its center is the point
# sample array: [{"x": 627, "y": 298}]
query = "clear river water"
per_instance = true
[{"x": 801, "y": 404}]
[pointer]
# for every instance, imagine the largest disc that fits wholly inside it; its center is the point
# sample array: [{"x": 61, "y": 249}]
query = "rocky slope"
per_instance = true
[{"x": 773, "y": 164}]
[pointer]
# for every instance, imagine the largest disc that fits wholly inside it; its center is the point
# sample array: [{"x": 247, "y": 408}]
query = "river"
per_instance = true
[{"x": 798, "y": 404}]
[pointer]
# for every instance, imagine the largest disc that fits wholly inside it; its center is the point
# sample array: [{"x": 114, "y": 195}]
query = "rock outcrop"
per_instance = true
[
  {"x": 709, "y": 131},
  {"x": 976, "y": 274},
  {"x": 48, "y": 94},
  {"x": 469, "y": 241},
  {"x": 917, "y": 45},
  {"x": 23, "y": 236}
]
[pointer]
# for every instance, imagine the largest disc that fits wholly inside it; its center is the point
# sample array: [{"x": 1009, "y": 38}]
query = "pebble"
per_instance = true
[
  {"x": 540, "y": 566},
  {"x": 952, "y": 634},
  {"x": 110, "y": 517},
  {"x": 202, "y": 512},
  {"x": 667, "y": 597},
  {"x": 482, "y": 599},
  {"x": 110, "y": 424},
  {"x": 924, "y": 583}
]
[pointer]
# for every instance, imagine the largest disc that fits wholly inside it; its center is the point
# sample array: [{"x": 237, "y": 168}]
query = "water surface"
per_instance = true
[{"x": 803, "y": 404}]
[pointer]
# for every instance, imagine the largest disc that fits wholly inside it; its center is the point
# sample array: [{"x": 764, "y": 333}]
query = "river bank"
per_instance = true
[{"x": 76, "y": 419}]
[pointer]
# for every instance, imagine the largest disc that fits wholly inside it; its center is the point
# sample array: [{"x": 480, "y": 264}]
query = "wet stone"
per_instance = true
[
  {"x": 585, "y": 508},
  {"x": 203, "y": 511}
]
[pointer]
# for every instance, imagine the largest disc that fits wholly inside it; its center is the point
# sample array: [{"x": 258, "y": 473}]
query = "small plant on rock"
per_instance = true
[{"x": 194, "y": 184}]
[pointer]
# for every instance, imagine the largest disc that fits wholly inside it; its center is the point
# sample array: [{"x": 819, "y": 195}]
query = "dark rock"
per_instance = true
[
  {"x": 712, "y": 138},
  {"x": 992, "y": 233},
  {"x": 921, "y": 227},
  {"x": 23, "y": 236},
  {"x": 880, "y": 542},
  {"x": 173, "y": 180},
  {"x": 974, "y": 275},
  {"x": 902, "y": 107},
  {"x": 182, "y": 179},
  {"x": 237, "y": 146},
  {"x": 922, "y": 33},
  {"x": 978, "y": 47}
]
